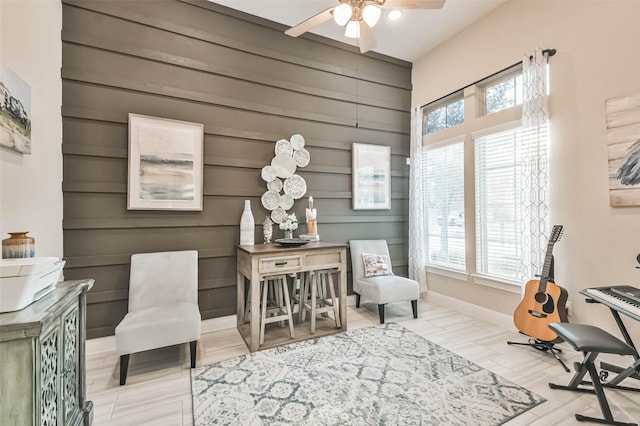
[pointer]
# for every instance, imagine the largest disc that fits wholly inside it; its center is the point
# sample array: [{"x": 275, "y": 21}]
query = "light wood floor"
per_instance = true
[{"x": 158, "y": 386}]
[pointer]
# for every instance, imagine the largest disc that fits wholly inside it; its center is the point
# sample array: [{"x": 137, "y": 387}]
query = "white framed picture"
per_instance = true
[
  {"x": 165, "y": 164},
  {"x": 371, "y": 177}
]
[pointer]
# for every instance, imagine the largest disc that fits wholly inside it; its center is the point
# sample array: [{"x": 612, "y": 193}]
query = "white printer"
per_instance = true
[{"x": 25, "y": 280}]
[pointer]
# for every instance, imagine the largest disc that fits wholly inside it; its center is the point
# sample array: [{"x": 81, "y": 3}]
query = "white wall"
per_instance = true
[
  {"x": 598, "y": 58},
  {"x": 31, "y": 185}
]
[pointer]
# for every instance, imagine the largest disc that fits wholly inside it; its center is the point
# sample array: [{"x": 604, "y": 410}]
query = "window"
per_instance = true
[
  {"x": 497, "y": 183},
  {"x": 499, "y": 159},
  {"x": 506, "y": 187},
  {"x": 446, "y": 113},
  {"x": 443, "y": 186},
  {"x": 504, "y": 94}
]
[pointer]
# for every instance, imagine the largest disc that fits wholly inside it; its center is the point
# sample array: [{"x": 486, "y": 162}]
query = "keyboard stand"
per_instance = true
[
  {"x": 592, "y": 341},
  {"x": 632, "y": 371}
]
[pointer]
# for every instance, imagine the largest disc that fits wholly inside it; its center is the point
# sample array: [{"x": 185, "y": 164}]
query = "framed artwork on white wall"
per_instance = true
[
  {"x": 15, "y": 112},
  {"x": 371, "y": 175},
  {"x": 165, "y": 164},
  {"x": 623, "y": 145}
]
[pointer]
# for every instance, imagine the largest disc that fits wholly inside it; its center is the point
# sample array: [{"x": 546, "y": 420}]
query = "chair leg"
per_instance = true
[
  {"x": 357, "y": 300},
  {"x": 278, "y": 289},
  {"x": 124, "y": 366},
  {"x": 193, "y": 347},
  {"x": 582, "y": 368},
  {"x": 304, "y": 295},
  {"x": 414, "y": 308},
  {"x": 285, "y": 289},
  {"x": 322, "y": 291},
  {"x": 381, "y": 312},
  {"x": 599, "y": 391},
  {"x": 334, "y": 300},
  {"x": 314, "y": 291}
]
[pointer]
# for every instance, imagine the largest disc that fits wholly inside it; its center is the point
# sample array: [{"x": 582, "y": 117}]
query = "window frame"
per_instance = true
[
  {"x": 452, "y": 269},
  {"x": 477, "y": 123},
  {"x": 496, "y": 79},
  {"x": 442, "y": 103},
  {"x": 512, "y": 126}
]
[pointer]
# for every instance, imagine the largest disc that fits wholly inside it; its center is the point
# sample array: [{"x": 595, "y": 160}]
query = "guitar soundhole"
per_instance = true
[
  {"x": 550, "y": 306},
  {"x": 541, "y": 297}
]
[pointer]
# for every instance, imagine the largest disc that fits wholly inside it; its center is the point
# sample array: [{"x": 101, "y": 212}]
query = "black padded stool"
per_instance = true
[{"x": 593, "y": 341}]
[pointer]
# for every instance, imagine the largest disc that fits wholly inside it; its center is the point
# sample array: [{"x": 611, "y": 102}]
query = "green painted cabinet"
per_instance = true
[{"x": 42, "y": 360}]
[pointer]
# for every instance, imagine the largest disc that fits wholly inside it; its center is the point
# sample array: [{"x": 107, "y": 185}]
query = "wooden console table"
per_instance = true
[{"x": 260, "y": 260}]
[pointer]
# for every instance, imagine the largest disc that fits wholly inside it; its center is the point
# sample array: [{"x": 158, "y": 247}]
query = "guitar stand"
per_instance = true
[{"x": 543, "y": 346}]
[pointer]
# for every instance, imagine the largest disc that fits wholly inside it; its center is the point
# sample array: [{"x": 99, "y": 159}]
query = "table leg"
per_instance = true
[
  {"x": 254, "y": 337},
  {"x": 240, "y": 300},
  {"x": 343, "y": 290}
]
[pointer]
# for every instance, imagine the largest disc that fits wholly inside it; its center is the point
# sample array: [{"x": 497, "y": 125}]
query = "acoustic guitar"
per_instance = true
[{"x": 544, "y": 302}]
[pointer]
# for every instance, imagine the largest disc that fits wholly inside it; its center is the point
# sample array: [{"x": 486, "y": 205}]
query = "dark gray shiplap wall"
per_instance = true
[{"x": 250, "y": 85}]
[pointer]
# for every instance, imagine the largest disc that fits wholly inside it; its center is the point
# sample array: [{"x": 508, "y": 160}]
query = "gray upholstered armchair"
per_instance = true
[
  {"x": 163, "y": 305},
  {"x": 373, "y": 279}
]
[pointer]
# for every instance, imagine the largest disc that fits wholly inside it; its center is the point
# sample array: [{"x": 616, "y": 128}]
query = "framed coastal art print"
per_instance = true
[
  {"x": 165, "y": 164},
  {"x": 371, "y": 177}
]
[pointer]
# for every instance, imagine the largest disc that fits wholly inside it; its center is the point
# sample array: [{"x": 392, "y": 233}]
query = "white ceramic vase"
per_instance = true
[{"x": 247, "y": 225}]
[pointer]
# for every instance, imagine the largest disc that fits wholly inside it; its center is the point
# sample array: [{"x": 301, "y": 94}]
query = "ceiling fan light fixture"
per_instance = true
[
  {"x": 371, "y": 14},
  {"x": 352, "y": 30},
  {"x": 394, "y": 14},
  {"x": 342, "y": 14}
]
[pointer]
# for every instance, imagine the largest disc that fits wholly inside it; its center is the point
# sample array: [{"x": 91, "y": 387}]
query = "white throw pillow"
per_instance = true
[{"x": 376, "y": 265}]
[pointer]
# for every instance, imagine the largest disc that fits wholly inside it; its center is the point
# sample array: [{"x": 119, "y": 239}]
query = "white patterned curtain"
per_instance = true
[
  {"x": 534, "y": 186},
  {"x": 417, "y": 252}
]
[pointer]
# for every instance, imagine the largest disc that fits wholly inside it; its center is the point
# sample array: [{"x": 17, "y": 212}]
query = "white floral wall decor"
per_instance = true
[{"x": 284, "y": 186}]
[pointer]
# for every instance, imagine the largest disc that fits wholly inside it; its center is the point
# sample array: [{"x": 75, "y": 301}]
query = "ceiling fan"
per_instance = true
[{"x": 359, "y": 17}]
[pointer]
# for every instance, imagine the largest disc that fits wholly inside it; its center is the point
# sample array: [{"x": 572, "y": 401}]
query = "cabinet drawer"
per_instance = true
[
  {"x": 279, "y": 264},
  {"x": 323, "y": 260}
]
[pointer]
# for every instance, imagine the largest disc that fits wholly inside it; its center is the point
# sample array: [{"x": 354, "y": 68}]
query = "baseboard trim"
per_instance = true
[
  {"x": 108, "y": 343},
  {"x": 480, "y": 312},
  {"x": 220, "y": 323},
  {"x": 100, "y": 344}
]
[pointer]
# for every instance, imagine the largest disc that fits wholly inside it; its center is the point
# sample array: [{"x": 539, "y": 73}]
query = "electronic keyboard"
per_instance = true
[{"x": 613, "y": 297}]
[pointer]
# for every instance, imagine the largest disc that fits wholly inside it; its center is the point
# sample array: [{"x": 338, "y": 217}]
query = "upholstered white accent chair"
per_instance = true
[
  {"x": 163, "y": 305},
  {"x": 380, "y": 289}
]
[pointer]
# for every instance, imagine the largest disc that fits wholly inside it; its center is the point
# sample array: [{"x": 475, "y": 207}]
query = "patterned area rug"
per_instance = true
[{"x": 383, "y": 375}]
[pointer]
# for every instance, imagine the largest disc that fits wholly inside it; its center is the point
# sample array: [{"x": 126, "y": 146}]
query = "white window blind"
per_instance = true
[
  {"x": 443, "y": 195},
  {"x": 502, "y": 161}
]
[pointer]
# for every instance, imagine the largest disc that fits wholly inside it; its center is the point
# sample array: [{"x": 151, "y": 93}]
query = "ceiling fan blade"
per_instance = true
[
  {"x": 413, "y": 4},
  {"x": 305, "y": 26},
  {"x": 367, "y": 39}
]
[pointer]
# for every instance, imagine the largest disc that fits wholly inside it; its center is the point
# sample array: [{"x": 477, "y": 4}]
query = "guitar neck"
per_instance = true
[
  {"x": 546, "y": 267},
  {"x": 556, "y": 233}
]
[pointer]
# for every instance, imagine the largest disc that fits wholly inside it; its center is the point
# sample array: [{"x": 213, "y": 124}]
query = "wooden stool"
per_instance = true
[
  {"x": 593, "y": 341},
  {"x": 281, "y": 308},
  {"x": 313, "y": 296},
  {"x": 271, "y": 298}
]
